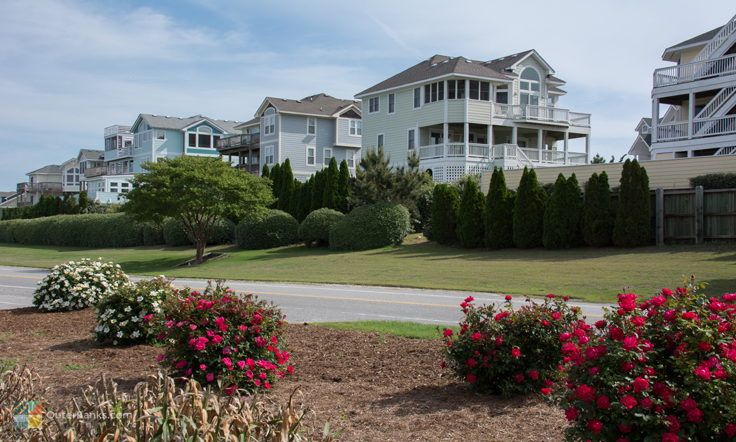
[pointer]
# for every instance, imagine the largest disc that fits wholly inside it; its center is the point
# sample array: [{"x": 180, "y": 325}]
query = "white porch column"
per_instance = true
[
  {"x": 587, "y": 149},
  {"x": 567, "y": 137},
  {"x": 445, "y": 135},
  {"x": 690, "y": 114},
  {"x": 540, "y": 143},
  {"x": 655, "y": 119},
  {"x": 466, "y": 137},
  {"x": 514, "y": 135},
  {"x": 489, "y": 137}
]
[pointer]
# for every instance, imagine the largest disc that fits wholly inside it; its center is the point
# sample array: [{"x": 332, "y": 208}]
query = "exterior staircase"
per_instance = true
[{"x": 716, "y": 47}]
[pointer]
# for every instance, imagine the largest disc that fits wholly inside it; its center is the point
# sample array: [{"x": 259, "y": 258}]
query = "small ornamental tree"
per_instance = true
[
  {"x": 529, "y": 211},
  {"x": 597, "y": 221},
  {"x": 197, "y": 191},
  {"x": 445, "y": 202},
  {"x": 331, "y": 196},
  {"x": 343, "y": 187},
  {"x": 562, "y": 215},
  {"x": 511, "y": 351},
  {"x": 661, "y": 369},
  {"x": 632, "y": 227},
  {"x": 470, "y": 216},
  {"x": 499, "y": 213}
]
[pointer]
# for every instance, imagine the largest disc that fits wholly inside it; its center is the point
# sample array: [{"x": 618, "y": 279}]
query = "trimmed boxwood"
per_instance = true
[
  {"x": 370, "y": 227},
  {"x": 266, "y": 230},
  {"x": 223, "y": 232},
  {"x": 315, "y": 229}
]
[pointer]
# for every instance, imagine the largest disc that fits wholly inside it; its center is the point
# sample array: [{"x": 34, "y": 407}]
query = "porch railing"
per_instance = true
[
  {"x": 715, "y": 126},
  {"x": 672, "y": 131},
  {"x": 523, "y": 155},
  {"x": 244, "y": 140},
  {"x": 540, "y": 113},
  {"x": 478, "y": 150},
  {"x": 683, "y": 73}
]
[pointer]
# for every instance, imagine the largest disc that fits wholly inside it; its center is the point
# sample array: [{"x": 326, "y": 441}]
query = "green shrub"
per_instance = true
[
  {"x": 371, "y": 226},
  {"x": 632, "y": 227},
  {"x": 266, "y": 230},
  {"x": 153, "y": 234},
  {"x": 562, "y": 215},
  {"x": 529, "y": 211},
  {"x": 499, "y": 213},
  {"x": 223, "y": 232},
  {"x": 470, "y": 216},
  {"x": 77, "y": 284},
  {"x": 510, "y": 351},
  {"x": 315, "y": 229},
  {"x": 129, "y": 315},
  {"x": 174, "y": 235},
  {"x": 445, "y": 202},
  {"x": 597, "y": 222},
  {"x": 715, "y": 181}
]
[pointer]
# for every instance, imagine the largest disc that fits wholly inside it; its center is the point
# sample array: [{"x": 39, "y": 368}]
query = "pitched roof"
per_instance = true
[
  {"x": 49, "y": 169},
  {"x": 670, "y": 53},
  {"x": 7, "y": 194},
  {"x": 91, "y": 154},
  {"x": 502, "y": 63},
  {"x": 251, "y": 122},
  {"x": 437, "y": 66},
  {"x": 318, "y": 104},
  {"x": 177, "y": 123}
]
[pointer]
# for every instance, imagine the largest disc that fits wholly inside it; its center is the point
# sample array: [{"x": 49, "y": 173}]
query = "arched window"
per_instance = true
[
  {"x": 72, "y": 176},
  {"x": 529, "y": 87}
]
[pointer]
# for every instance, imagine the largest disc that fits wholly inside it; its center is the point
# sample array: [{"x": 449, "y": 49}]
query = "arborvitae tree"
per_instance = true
[
  {"x": 499, "y": 213},
  {"x": 597, "y": 222},
  {"x": 343, "y": 187},
  {"x": 331, "y": 197},
  {"x": 265, "y": 173},
  {"x": 286, "y": 186},
  {"x": 597, "y": 159},
  {"x": 529, "y": 211},
  {"x": 445, "y": 202},
  {"x": 575, "y": 195},
  {"x": 295, "y": 198},
  {"x": 470, "y": 216},
  {"x": 632, "y": 227},
  {"x": 318, "y": 190},
  {"x": 275, "y": 176},
  {"x": 305, "y": 199},
  {"x": 69, "y": 205},
  {"x": 562, "y": 214},
  {"x": 83, "y": 201}
]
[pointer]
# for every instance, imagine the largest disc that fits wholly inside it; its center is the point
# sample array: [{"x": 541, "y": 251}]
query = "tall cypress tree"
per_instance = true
[
  {"x": 275, "y": 176},
  {"x": 562, "y": 214},
  {"x": 265, "y": 172},
  {"x": 529, "y": 211},
  {"x": 305, "y": 199},
  {"x": 330, "y": 197},
  {"x": 470, "y": 216},
  {"x": 286, "y": 186},
  {"x": 499, "y": 213},
  {"x": 343, "y": 187},
  {"x": 632, "y": 227},
  {"x": 445, "y": 201},
  {"x": 318, "y": 190},
  {"x": 296, "y": 193},
  {"x": 597, "y": 222}
]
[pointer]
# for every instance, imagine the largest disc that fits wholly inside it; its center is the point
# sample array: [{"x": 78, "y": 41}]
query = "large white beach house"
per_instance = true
[{"x": 464, "y": 116}]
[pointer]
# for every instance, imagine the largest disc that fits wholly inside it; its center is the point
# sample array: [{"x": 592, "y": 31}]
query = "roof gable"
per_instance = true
[
  {"x": 177, "y": 123},
  {"x": 321, "y": 105},
  {"x": 670, "y": 54}
]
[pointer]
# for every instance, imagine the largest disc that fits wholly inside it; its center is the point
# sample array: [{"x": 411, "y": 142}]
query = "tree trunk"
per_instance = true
[{"x": 200, "y": 244}]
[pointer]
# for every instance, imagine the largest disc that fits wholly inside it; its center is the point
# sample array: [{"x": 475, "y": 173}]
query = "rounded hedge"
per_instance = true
[
  {"x": 370, "y": 227},
  {"x": 272, "y": 228},
  {"x": 223, "y": 232},
  {"x": 315, "y": 229}
]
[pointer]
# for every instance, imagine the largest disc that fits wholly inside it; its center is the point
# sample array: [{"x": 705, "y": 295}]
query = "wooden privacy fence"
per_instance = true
[{"x": 695, "y": 215}]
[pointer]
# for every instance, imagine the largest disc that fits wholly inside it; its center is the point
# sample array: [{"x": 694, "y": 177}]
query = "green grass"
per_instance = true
[
  {"x": 398, "y": 328},
  {"x": 7, "y": 364},
  {"x": 69, "y": 366},
  {"x": 583, "y": 273}
]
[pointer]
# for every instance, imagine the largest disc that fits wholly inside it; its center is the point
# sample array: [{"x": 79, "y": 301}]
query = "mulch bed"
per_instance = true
[{"x": 367, "y": 386}]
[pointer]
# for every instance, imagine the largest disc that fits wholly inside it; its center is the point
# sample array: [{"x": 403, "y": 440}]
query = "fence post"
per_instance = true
[
  {"x": 699, "y": 225},
  {"x": 659, "y": 216}
]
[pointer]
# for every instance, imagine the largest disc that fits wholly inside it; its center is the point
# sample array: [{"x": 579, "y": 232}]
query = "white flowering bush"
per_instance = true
[
  {"x": 78, "y": 284},
  {"x": 129, "y": 315}
]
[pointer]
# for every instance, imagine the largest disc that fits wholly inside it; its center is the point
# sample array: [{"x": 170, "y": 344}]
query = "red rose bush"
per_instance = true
[
  {"x": 506, "y": 351},
  {"x": 221, "y": 338},
  {"x": 661, "y": 369}
]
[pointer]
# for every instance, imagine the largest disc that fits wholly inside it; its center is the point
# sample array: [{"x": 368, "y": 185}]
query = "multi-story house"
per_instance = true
[
  {"x": 108, "y": 179},
  {"x": 44, "y": 181},
  {"x": 309, "y": 132},
  {"x": 694, "y": 101},
  {"x": 465, "y": 116}
]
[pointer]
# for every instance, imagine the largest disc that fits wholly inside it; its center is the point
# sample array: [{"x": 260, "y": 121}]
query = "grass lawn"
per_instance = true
[
  {"x": 584, "y": 273},
  {"x": 398, "y": 328}
]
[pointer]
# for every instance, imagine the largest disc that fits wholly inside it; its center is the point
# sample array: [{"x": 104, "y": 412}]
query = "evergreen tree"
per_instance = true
[
  {"x": 445, "y": 202},
  {"x": 596, "y": 222},
  {"x": 318, "y": 190},
  {"x": 470, "y": 216},
  {"x": 499, "y": 213},
  {"x": 343, "y": 187},
  {"x": 286, "y": 186},
  {"x": 295, "y": 198},
  {"x": 305, "y": 199},
  {"x": 598, "y": 159},
  {"x": 331, "y": 197},
  {"x": 275, "y": 176},
  {"x": 632, "y": 227},
  {"x": 83, "y": 202},
  {"x": 68, "y": 205},
  {"x": 265, "y": 172},
  {"x": 562, "y": 214},
  {"x": 529, "y": 211}
]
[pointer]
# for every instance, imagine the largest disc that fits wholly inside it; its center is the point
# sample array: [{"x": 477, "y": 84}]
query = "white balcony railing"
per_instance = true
[
  {"x": 432, "y": 151},
  {"x": 478, "y": 150},
  {"x": 522, "y": 155},
  {"x": 540, "y": 113},
  {"x": 714, "y": 126},
  {"x": 683, "y": 73},
  {"x": 455, "y": 149},
  {"x": 672, "y": 131}
]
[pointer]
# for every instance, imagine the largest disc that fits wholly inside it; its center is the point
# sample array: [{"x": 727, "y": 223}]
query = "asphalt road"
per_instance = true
[{"x": 312, "y": 302}]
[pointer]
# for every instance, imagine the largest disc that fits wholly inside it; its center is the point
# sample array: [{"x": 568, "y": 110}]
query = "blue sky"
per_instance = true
[{"x": 69, "y": 68}]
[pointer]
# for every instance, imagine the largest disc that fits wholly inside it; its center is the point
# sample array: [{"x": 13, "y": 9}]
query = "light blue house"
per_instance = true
[{"x": 309, "y": 132}]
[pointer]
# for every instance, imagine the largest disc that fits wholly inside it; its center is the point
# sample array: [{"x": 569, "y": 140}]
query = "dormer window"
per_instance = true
[
  {"x": 202, "y": 137},
  {"x": 529, "y": 87},
  {"x": 644, "y": 129}
]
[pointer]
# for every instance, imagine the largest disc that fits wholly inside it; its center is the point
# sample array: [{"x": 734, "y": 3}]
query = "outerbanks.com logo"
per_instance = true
[{"x": 28, "y": 414}]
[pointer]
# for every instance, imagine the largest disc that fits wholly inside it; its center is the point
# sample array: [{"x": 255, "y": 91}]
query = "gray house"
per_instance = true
[{"x": 309, "y": 132}]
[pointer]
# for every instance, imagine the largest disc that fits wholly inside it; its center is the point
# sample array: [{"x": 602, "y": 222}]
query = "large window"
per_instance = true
[
  {"x": 269, "y": 121},
  {"x": 311, "y": 126},
  {"x": 411, "y": 139},
  {"x": 202, "y": 137},
  {"x": 268, "y": 154},
  {"x": 391, "y": 103},
  {"x": 356, "y": 127},
  {"x": 455, "y": 89},
  {"x": 72, "y": 176},
  {"x": 434, "y": 92},
  {"x": 479, "y": 90},
  {"x": 373, "y": 105},
  {"x": 417, "y": 97},
  {"x": 311, "y": 155},
  {"x": 529, "y": 87},
  {"x": 502, "y": 94}
]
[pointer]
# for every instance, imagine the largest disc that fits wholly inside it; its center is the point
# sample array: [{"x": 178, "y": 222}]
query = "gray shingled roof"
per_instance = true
[
  {"x": 176, "y": 123},
  {"x": 500, "y": 64},
  {"x": 91, "y": 154},
  {"x": 51, "y": 168},
  {"x": 318, "y": 104},
  {"x": 702, "y": 38},
  {"x": 250, "y": 122}
]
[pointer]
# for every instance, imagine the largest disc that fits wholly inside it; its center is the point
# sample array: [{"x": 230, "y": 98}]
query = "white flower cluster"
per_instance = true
[
  {"x": 128, "y": 316},
  {"x": 78, "y": 284}
]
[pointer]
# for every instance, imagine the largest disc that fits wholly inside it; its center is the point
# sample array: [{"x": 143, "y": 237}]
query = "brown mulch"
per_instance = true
[{"x": 367, "y": 386}]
